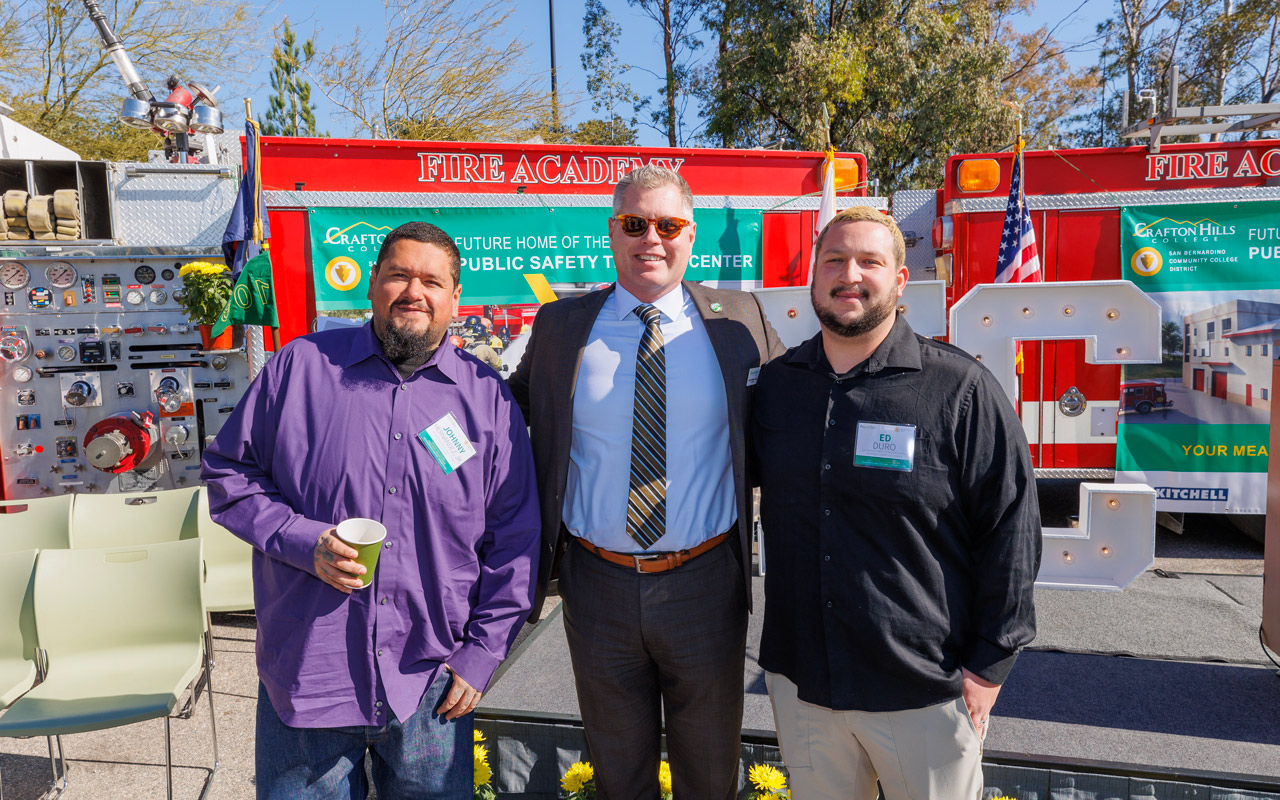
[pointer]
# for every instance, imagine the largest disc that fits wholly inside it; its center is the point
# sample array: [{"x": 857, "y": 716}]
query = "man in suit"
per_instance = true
[{"x": 636, "y": 396}]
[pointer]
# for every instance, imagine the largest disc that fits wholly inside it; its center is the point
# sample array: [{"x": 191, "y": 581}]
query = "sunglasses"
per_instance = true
[{"x": 636, "y": 225}]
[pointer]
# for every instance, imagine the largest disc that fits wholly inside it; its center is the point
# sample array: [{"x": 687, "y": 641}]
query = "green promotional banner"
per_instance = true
[
  {"x": 1195, "y": 427},
  {"x": 1194, "y": 247},
  {"x": 502, "y": 247}
]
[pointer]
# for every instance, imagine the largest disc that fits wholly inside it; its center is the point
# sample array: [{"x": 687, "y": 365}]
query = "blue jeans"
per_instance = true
[{"x": 423, "y": 758}]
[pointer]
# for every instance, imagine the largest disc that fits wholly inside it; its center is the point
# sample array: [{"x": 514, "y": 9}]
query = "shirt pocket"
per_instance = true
[{"x": 900, "y": 486}]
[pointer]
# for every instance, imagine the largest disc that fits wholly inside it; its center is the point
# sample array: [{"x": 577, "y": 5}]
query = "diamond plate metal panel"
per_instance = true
[
  {"x": 1076, "y": 474},
  {"x": 286, "y": 199},
  {"x": 913, "y": 210},
  {"x": 1050, "y": 202},
  {"x": 177, "y": 205}
]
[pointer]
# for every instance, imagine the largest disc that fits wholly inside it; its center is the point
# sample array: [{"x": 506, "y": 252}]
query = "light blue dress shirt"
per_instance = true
[{"x": 700, "y": 499}]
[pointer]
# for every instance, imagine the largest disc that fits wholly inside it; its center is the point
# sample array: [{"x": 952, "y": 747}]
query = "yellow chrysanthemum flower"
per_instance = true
[
  {"x": 664, "y": 777},
  {"x": 577, "y": 776},
  {"x": 766, "y": 778},
  {"x": 203, "y": 267},
  {"x": 483, "y": 772},
  {"x": 479, "y": 737}
]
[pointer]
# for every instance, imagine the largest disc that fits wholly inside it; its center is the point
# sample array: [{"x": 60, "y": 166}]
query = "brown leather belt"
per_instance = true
[{"x": 658, "y": 562}]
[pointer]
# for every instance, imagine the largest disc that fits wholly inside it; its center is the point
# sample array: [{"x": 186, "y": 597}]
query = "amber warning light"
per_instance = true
[
  {"x": 978, "y": 175},
  {"x": 846, "y": 169}
]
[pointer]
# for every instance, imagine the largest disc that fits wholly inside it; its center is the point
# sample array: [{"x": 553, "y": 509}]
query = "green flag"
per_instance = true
[{"x": 252, "y": 300}]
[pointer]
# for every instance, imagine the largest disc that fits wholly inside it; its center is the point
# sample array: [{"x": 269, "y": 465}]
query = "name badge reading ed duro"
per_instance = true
[{"x": 885, "y": 446}]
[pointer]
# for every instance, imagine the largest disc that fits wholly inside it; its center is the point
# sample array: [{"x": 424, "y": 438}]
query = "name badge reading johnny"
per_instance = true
[
  {"x": 885, "y": 446},
  {"x": 447, "y": 442}
]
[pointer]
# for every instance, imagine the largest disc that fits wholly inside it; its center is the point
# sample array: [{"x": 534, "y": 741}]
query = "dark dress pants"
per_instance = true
[{"x": 642, "y": 646}]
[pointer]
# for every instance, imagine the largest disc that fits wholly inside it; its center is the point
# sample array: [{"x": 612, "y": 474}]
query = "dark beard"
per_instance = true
[
  {"x": 870, "y": 318},
  {"x": 407, "y": 351}
]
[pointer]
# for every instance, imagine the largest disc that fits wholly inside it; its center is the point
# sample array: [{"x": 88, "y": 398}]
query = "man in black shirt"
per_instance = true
[{"x": 902, "y": 535}]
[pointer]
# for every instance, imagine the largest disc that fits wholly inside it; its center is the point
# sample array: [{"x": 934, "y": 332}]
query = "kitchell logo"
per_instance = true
[{"x": 1146, "y": 262}]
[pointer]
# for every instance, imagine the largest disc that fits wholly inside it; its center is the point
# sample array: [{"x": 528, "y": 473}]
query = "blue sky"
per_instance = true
[{"x": 327, "y": 20}]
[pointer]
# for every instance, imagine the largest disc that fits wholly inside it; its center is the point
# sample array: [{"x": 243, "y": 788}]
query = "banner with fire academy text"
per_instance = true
[
  {"x": 1195, "y": 427},
  {"x": 500, "y": 246}
]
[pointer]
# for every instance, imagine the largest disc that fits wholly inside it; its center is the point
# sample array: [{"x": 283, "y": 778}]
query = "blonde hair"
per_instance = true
[
  {"x": 652, "y": 176},
  {"x": 867, "y": 214}
]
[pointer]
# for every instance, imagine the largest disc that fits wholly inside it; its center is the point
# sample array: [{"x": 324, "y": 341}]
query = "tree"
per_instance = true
[
  {"x": 62, "y": 84},
  {"x": 1171, "y": 338},
  {"x": 610, "y": 92},
  {"x": 291, "y": 112},
  {"x": 438, "y": 74},
  {"x": 1226, "y": 51},
  {"x": 904, "y": 82},
  {"x": 614, "y": 132},
  {"x": 675, "y": 18},
  {"x": 1040, "y": 79}
]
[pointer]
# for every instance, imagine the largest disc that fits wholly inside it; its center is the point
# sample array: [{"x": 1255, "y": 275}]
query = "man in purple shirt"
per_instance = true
[{"x": 337, "y": 426}]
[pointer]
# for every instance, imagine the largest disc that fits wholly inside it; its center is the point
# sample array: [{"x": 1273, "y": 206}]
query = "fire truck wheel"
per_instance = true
[{"x": 1144, "y": 407}]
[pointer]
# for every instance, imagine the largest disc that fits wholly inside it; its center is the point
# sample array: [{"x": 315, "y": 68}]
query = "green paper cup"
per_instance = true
[{"x": 366, "y": 536}]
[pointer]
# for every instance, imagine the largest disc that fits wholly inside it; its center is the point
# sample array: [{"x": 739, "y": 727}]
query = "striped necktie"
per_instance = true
[{"x": 647, "y": 498}]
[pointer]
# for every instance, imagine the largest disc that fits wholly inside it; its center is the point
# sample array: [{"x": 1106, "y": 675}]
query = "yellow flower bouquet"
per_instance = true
[
  {"x": 206, "y": 287},
  {"x": 483, "y": 772},
  {"x": 579, "y": 782},
  {"x": 768, "y": 783}
]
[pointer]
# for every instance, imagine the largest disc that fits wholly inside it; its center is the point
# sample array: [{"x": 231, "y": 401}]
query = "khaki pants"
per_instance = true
[{"x": 931, "y": 753}]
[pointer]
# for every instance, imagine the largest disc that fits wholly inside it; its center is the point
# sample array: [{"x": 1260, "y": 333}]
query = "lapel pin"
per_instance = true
[{"x": 716, "y": 307}]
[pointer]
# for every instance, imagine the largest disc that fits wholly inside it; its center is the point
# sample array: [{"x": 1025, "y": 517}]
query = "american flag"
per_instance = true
[{"x": 1019, "y": 260}]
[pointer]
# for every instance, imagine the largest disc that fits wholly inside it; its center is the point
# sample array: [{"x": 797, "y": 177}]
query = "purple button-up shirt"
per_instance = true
[{"x": 328, "y": 431}]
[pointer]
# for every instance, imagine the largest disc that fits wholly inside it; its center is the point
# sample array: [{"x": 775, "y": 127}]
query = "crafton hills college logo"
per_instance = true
[
  {"x": 342, "y": 273},
  {"x": 1146, "y": 262}
]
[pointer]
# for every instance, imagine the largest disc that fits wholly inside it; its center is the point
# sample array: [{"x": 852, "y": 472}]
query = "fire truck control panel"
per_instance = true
[{"x": 106, "y": 384}]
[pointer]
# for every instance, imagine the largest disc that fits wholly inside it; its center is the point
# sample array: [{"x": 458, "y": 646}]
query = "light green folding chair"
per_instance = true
[
  {"x": 119, "y": 520},
  {"x": 38, "y": 523},
  {"x": 122, "y": 632},
  {"x": 19, "y": 667},
  {"x": 228, "y": 562}
]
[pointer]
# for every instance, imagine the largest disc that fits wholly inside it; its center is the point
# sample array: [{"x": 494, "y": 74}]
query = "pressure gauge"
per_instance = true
[
  {"x": 22, "y": 374},
  {"x": 80, "y": 393},
  {"x": 134, "y": 297},
  {"x": 61, "y": 274},
  {"x": 167, "y": 274},
  {"x": 158, "y": 296},
  {"x": 14, "y": 276},
  {"x": 67, "y": 353},
  {"x": 144, "y": 274},
  {"x": 13, "y": 347}
]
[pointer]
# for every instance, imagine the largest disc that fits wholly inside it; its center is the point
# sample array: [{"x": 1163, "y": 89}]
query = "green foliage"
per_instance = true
[
  {"x": 206, "y": 288},
  {"x": 676, "y": 21},
  {"x": 1171, "y": 337},
  {"x": 906, "y": 83},
  {"x": 604, "y": 131},
  {"x": 611, "y": 94},
  {"x": 62, "y": 84},
  {"x": 291, "y": 112}
]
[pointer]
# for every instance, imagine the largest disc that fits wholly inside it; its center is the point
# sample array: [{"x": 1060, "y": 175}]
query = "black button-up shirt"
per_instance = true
[{"x": 881, "y": 584}]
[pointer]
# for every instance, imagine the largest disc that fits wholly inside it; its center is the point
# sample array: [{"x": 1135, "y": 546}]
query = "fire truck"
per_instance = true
[
  {"x": 1195, "y": 227},
  {"x": 105, "y": 385}
]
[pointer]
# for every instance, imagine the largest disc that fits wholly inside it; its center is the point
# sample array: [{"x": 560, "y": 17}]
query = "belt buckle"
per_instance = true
[{"x": 641, "y": 559}]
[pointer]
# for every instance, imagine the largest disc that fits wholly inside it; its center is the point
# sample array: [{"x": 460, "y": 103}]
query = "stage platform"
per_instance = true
[{"x": 1121, "y": 694}]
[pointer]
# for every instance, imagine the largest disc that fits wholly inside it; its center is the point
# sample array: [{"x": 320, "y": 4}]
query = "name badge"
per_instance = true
[
  {"x": 447, "y": 442},
  {"x": 885, "y": 446},
  {"x": 753, "y": 376}
]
